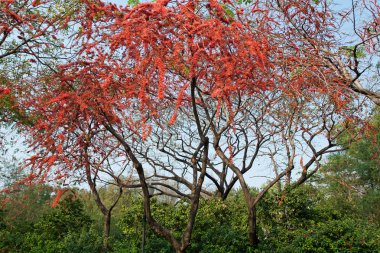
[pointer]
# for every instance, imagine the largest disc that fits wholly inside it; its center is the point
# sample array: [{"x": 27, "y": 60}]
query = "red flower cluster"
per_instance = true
[{"x": 4, "y": 91}]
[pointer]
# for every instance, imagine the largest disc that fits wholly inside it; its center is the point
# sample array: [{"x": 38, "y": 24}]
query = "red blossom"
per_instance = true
[
  {"x": 58, "y": 196},
  {"x": 4, "y": 91}
]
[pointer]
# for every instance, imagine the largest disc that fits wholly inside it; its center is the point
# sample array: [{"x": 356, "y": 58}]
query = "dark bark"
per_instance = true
[
  {"x": 143, "y": 234},
  {"x": 252, "y": 226}
]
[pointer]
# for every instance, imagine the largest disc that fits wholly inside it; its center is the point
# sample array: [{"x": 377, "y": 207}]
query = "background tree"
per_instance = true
[{"x": 352, "y": 175}]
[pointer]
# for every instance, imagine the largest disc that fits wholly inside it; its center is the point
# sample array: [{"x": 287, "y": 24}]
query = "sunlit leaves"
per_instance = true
[{"x": 133, "y": 3}]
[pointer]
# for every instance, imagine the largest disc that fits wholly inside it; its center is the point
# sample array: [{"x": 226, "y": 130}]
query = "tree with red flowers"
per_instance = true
[
  {"x": 193, "y": 92},
  {"x": 99, "y": 105},
  {"x": 31, "y": 45}
]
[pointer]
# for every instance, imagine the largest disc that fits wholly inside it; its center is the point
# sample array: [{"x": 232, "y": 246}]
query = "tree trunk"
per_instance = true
[
  {"x": 106, "y": 231},
  {"x": 252, "y": 227},
  {"x": 143, "y": 234}
]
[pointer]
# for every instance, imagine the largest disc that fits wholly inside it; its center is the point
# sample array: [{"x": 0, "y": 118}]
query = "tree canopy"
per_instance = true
[{"x": 189, "y": 98}]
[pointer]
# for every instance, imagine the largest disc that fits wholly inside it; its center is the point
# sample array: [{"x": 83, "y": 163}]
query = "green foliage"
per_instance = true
[
  {"x": 19, "y": 211},
  {"x": 229, "y": 12},
  {"x": 10, "y": 112},
  {"x": 33, "y": 226},
  {"x": 65, "y": 229},
  {"x": 133, "y": 3},
  {"x": 220, "y": 225},
  {"x": 353, "y": 176},
  {"x": 344, "y": 235},
  {"x": 303, "y": 220},
  {"x": 243, "y": 1},
  {"x": 307, "y": 221},
  {"x": 354, "y": 51}
]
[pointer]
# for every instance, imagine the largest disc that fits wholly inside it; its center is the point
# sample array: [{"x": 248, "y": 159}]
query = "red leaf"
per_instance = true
[
  {"x": 58, "y": 197},
  {"x": 36, "y": 3}
]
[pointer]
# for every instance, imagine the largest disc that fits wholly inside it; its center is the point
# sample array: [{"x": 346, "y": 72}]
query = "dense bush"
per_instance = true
[{"x": 66, "y": 228}]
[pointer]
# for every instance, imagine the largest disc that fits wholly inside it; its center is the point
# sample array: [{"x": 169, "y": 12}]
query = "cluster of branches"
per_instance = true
[{"x": 190, "y": 98}]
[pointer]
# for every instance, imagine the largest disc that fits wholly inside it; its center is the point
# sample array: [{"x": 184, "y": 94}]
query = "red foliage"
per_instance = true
[
  {"x": 58, "y": 197},
  {"x": 4, "y": 91},
  {"x": 135, "y": 64},
  {"x": 141, "y": 69}
]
